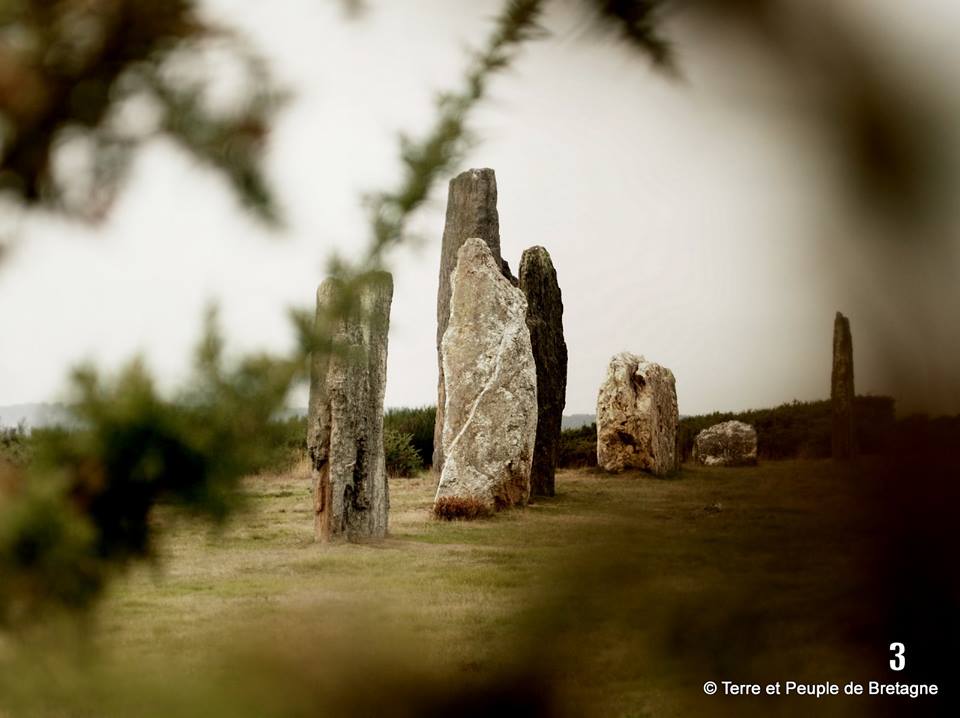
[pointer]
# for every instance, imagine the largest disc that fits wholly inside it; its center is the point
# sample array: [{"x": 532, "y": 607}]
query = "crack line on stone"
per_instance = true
[{"x": 476, "y": 404}]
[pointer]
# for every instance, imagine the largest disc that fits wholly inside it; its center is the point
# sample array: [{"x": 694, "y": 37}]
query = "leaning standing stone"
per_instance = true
[
  {"x": 841, "y": 390},
  {"x": 730, "y": 443},
  {"x": 637, "y": 417},
  {"x": 538, "y": 281},
  {"x": 345, "y": 418},
  {"x": 471, "y": 212},
  {"x": 490, "y": 422}
]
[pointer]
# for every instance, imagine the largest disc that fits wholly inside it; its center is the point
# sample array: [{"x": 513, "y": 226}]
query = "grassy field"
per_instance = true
[{"x": 620, "y": 596}]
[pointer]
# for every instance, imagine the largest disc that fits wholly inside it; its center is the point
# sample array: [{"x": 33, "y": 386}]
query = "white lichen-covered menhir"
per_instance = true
[
  {"x": 730, "y": 443},
  {"x": 637, "y": 417},
  {"x": 490, "y": 381}
]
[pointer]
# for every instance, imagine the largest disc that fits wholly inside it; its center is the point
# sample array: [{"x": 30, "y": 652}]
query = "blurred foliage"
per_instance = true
[
  {"x": 437, "y": 154},
  {"x": 800, "y": 429},
  {"x": 14, "y": 445},
  {"x": 92, "y": 80},
  {"x": 418, "y": 423},
  {"x": 82, "y": 507},
  {"x": 578, "y": 447},
  {"x": 426, "y": 160},
  {"x": 637, "y": 23},
  {"x": 403, "y": 459}
]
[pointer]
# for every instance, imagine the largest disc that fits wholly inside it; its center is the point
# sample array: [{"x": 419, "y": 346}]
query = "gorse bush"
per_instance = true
[
  {"x": 578, "y": 447},
  {"x": 418, "y": 424},
  {"x": 81, "y": 508},
  {"x": 403, "y": 460}
]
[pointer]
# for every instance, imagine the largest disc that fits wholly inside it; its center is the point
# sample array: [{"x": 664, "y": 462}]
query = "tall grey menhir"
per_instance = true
[
  {"x": 471, "y": 212},
  {"x": 345, "y": 418}
]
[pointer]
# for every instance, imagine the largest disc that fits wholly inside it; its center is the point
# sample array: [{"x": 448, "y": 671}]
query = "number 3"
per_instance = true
[{"x": 899, "y": 660}]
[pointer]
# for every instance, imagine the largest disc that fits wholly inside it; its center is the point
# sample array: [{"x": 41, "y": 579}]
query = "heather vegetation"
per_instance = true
[
  {"x": 800, "y": 429},
  {"x": 578, "y": 447},
  {"x": 417, "y": 423},
  {"x": 402, "y": 458}
]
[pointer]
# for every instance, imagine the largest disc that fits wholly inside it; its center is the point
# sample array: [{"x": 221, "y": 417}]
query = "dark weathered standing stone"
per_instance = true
[
  {"x": 471, "y": 212},
  {"x": 345, "y": 418},
  {"x": 841, "y": 391},
  {"x": 538, "y": 280}
]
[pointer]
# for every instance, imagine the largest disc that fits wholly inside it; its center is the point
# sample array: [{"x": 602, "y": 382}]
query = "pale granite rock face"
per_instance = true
[
  {"x": 538, "y": 281},
  {"x": 637, "y": 417},
  {"x": 345, "y": 418},
  {"x": 471, "y": 212},
  {"x": 844, "y": 439},
  {"x": 490, "y": 418},
  {"x": 730, "y": 443}
]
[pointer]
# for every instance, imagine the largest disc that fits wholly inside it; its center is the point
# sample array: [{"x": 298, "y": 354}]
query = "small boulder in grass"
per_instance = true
[{"x": 731, "y": 443}]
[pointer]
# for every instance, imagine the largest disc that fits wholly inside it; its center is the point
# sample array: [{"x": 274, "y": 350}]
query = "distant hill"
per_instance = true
[
  {"x": 575, "y": 421},
  {"x": 35, "y": 415}
]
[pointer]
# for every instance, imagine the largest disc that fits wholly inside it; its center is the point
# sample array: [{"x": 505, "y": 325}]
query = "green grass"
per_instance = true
[{"x": 622, "y": 595}]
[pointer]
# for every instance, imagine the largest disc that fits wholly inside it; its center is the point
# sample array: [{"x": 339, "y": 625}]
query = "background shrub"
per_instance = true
[
  {"x": 801, "y": 429},
  {"x": 403, "y": 459},
  {"x": 578, "y": 447},
  {"x": 291, "y": 445},
  {"x": 418, "y": 424}
]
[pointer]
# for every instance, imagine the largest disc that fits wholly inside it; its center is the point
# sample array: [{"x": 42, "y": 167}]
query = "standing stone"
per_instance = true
[
  {"x": 841, "y": 390},
  {"x": 345, "y": 417},
  {"x": 490, "y": 418},
  {"x": 730, "y": 443},
  {"x": 471, "y": 212},
  {"x": 538, "y": 281},
  {"x": 637, "y": 417}
]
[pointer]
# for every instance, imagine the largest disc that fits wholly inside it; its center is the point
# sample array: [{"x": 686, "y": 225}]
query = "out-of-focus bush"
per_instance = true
[
  {"x": 14, "y": 445},
  {"x": 418, "y": 423},
  {"x": 82, "y": 506},
  {"x": 72, "y": 69},
  {"x": 403, "y": 460}
]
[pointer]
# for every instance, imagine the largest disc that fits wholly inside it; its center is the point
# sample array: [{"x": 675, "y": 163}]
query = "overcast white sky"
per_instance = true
[{"x": 695, "y": 222}]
